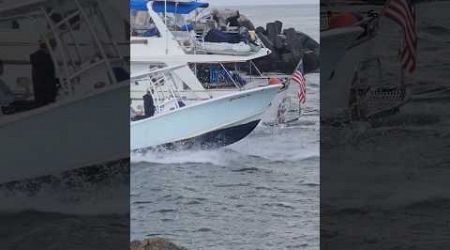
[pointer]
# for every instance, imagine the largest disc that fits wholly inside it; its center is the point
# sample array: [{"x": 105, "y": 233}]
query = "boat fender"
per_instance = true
[
  {"x": 343, "y": 20},
  {"x": 252, "y": 34},
  {"x": 188, "y": 46},
  {"x": 275, "y": 81}
]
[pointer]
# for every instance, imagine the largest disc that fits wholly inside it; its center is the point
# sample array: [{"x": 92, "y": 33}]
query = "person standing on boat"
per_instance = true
[
  {"x": 43, "y": 75},
  {"x": 233, "y": 21},
  {"x": 149, "y": 106}
]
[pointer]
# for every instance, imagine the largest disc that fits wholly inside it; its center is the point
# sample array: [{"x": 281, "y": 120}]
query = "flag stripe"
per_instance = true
[
  {"x": 400, "y": 15},
  {"x": 298, "y": 77},
  {"x": 403, "y": 13}
]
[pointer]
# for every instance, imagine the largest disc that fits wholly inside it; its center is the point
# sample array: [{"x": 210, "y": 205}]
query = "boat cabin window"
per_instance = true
[{"x": 142, "y": 25}]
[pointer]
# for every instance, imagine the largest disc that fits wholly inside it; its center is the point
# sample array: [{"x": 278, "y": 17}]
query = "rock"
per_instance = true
[
  {"x": 288, "y": 48},
  {"x": 288, "y": 58},
  {"x": 294, "y": 44},
  {"x": 265, "y": 40},
  {"x": 310, "y": 62},
  {"x": 261, "y": 30},
  {"x": 272, "y": 31},
  {"x": 307, "y": 41},
  {"x": 154, "y": 244},
  {"x": 280, "y": 42},
  {"x": 278, "y": 26}
]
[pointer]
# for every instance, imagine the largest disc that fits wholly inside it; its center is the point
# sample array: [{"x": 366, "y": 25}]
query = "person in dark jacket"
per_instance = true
[
  {"x": 149, "y": 106},
  {"x": 233, "y": 21},
  {"x": 43, "y": 76}
]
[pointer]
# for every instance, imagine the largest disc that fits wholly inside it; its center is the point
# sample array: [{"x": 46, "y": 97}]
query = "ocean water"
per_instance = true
[
  {"x": 399, "y": 162},
  {"x": 304, "y": 18},
  {"x": 260, "y": 193},
  {"x": 80, "y": 209}
]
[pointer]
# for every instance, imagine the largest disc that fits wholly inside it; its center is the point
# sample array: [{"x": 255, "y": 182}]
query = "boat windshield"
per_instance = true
[{"x": 142, "y": 24}]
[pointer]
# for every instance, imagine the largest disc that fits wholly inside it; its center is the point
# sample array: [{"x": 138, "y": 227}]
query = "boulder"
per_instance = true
[
  {"x": 154, "y": 244},
  {"x": 294, "y": 44},
  {"x": 265, "y": 40},
  {"x": 261, "y": 30},
  {"x": 288, "y": 47},
  {"x": 278, "y": 26},
  {"x": 307, "y": 42},
  {"x": 280, "y": 42},
  {"x": 272, "y": 31},
  {"x": 310, "y": 62}
]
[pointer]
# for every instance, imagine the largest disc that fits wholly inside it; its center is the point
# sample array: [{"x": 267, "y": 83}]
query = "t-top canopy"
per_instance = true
[
  {"x": 178, "y": 7},
  {"x": 172, "y": 6},
  {"x": 139, "y": 5}
]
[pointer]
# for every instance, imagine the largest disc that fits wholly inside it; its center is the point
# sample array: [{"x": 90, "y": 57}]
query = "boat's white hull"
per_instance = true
[
  {"x": 334, "y": 44},
  {"x": 338, "y": 69},
  {"x": 202, "y": 118},
  {"x": 65, "y": 135}
]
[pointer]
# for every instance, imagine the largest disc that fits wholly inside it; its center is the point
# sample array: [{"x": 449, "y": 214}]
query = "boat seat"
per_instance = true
[{"x": 218, "y": 36}]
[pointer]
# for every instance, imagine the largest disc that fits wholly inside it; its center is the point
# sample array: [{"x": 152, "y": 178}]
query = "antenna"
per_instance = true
[{"x": 167, "y": 29}]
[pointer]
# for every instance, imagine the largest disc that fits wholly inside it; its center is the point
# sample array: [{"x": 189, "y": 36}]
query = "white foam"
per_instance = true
[{"x": 84, "y": 201}]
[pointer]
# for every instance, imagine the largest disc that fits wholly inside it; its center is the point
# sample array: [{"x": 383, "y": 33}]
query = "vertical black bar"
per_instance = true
[{"x": 384, "y": 144}]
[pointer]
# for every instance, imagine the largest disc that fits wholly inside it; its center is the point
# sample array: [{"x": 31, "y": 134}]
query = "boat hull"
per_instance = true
[
  {"x": 334, "y": 45},
  {"x": 66, "y": 135},
  {"x": 205, "y": 121},
  {"x": 338, "y": 70},
  {"x": 214, "y": 139}
]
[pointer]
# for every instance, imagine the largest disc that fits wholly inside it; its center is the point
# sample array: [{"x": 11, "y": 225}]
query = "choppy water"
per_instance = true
[
  {"x": 399, "y": 162},
  {"x": 81, "y": 209},
  {"x": 260, "y": 193}
]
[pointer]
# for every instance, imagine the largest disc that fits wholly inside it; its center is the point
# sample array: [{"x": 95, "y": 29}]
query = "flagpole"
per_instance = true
[
  {"x": 300, "y": 109},
  {"x": 167, "y": 29},
  {"x": 300, "y": 106}
]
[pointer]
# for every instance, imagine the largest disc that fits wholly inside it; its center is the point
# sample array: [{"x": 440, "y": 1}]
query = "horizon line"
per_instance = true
[{"x": 265, "y": 4}]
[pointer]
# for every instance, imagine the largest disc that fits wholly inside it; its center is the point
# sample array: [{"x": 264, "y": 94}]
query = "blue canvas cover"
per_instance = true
[
  {"x": 217, "y": 36},
  {"x": 178, "y": 7},
  {"x": 138, "y": 5}
]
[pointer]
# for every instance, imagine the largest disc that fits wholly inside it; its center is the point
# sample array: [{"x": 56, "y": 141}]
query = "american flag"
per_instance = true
[
  {"x": 300, "y": 79},
  {"x": 403, "y": 13}
]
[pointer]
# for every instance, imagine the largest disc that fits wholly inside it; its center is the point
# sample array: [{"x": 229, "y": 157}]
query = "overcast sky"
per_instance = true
[{"x": 262, "y": 2}]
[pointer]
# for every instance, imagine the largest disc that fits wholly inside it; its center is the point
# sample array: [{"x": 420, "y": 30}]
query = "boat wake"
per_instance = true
[
  {"x": 93, "y": 190},
  {"x": 214, "y": 157},
  {"x": 265, "y": 144}
]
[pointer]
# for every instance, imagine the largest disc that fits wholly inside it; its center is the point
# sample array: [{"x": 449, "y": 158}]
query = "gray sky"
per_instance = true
[{"x": 262, "y": 2}]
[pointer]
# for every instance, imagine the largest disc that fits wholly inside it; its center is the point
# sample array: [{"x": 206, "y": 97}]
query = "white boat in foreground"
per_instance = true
[
  {"x": 212, "y": 123},
  {"x": 80, "y": 128}
]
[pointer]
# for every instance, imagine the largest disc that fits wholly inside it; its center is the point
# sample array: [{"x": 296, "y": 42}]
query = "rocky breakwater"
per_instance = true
[
  {"x": 154, "y": 244},
  {"x": 288, "y": 47}
]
